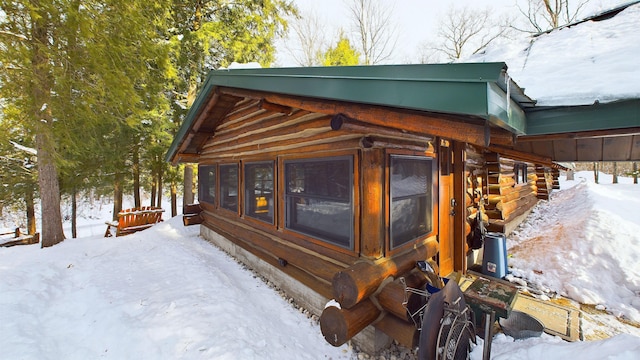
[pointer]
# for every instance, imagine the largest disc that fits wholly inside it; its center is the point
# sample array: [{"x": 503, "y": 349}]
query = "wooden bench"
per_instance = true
[
  {"x": 16, "y": 237},
  {"x": 134, "y": 219}
]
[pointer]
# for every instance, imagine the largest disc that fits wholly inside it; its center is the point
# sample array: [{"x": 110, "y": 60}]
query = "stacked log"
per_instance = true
[
  {"x": 476, "y": 191},
  {"x": 555, "y": 173},
  {"x": 544, "y": 182},
  {"x": 192, "y": 215},
  {"x": 371, "y": 294},
  {"x": 507, "y": 200}
]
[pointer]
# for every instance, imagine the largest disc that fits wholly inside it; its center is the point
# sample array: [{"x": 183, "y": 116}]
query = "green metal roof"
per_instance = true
[
  {"x": 608, "y": 116},
  {"x": 469, "y": 89}
]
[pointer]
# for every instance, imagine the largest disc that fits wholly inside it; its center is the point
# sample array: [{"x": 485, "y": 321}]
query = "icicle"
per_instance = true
[{"x": 508, "y": 95}]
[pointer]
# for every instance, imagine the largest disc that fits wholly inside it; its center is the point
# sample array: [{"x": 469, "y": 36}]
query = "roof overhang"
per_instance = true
[
  {"x": 479, "y": 90},
  {"x": 598, "y": 132}
]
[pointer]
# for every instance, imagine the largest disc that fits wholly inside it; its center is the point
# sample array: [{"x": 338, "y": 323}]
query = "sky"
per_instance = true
[
  {"x": 417, "y": 20},
  {"x": 166, "y": 293}
]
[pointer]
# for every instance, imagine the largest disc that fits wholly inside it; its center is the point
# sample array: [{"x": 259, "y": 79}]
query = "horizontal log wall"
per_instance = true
[
  {"x": 507, "y": 200},
  {"x": 365, "y": 280},
  {"x": 544, "y": 183}
]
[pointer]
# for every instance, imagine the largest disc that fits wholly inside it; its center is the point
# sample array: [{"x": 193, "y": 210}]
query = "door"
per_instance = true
[{"x": 447, "y": 206}]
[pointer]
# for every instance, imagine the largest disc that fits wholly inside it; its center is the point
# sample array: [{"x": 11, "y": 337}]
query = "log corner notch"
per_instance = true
[
  {"x": 192, "y": 215},
  {"x": 368, "y": 295}
]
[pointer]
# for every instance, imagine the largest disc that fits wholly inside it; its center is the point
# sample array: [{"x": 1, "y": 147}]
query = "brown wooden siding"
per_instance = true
[
  {"x": 363, "y": 278},
  {"x": 507, "y": 200}
]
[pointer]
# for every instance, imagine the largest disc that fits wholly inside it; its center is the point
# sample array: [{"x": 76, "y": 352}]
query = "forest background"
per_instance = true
[{"x": 93, "y": 91}]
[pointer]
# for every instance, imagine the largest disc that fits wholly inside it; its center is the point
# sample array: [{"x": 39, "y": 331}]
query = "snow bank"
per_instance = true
[
  {"x": 584, "y": 244},
  {"x": 162, "y": 293}
]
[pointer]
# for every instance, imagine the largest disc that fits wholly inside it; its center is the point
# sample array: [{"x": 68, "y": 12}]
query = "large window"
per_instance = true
[
  {"x": 229, "y": 186},
  {"x": 319, "y": 200},
  {"x": 411, "y": 198},
  {"x": 207, "y": 183},
  {"x": 258, "y": 188}
]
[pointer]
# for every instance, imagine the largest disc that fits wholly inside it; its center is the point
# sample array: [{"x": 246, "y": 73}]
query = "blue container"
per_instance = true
[
  {"x": 494, "y": 259},
  {"x": 432, "y": 289}
]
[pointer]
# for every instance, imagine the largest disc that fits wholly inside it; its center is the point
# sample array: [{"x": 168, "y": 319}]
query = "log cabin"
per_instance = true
[{"x": 333, "y": 182}]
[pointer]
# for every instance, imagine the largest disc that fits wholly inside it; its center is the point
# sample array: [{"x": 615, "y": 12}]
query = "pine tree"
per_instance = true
[
  {"x": 342, "y": 54},
  {"x": 213, "y": 34}
]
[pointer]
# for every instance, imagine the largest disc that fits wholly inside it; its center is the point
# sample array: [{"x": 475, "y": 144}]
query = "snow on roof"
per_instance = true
[{"x": 581, "y": 64}]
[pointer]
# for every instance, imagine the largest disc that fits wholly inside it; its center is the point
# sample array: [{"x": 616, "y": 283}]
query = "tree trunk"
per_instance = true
[
  {"x": 31, "y": 212},
  {"x": 136, "y": 177},
  {"x": 595, "y": 172},
  {"x": 74, "y": 214},
  {"x": 159, "y": 203},
  {"x": 635, "y": 172},
  {"x": 174, "y": 199},
  {"x": 188, "y": 185},
  {"x": 615, "y": 172},
  {"x": 117, "y": 194},
  {"x": 153, "y": 188},
  {"x": 52, "y": 232}
]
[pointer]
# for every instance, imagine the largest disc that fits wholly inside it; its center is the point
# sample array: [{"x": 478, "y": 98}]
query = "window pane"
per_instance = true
[
  {"x": 258, "y": 179},
  {"x": 411, "y": 198},
  {"x": 319, "y": 199},
  {"x": 229, "y": 187},
  {"x": 207, "y": 183}
]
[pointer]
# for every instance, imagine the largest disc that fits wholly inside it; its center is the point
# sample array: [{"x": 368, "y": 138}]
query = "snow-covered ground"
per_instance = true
[{"x": 165, "y": 293}]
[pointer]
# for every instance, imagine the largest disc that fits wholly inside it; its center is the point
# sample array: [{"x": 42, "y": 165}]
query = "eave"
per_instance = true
[{"x": 479, "y": 91}]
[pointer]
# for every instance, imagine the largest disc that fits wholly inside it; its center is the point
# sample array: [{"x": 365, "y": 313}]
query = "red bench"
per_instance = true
[{"x": 134, "y": 219}]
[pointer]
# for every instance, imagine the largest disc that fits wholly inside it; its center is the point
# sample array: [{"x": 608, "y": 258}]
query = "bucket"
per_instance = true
[
  {"x": 432, "y": 289},
  {"x": 494, "y": 259}
]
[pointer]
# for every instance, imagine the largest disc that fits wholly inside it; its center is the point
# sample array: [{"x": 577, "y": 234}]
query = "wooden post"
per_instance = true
[
  {"x": 339, "y": 325},
  {"x": 372, "y": 212},
  {"x": 362, "y": 279}
]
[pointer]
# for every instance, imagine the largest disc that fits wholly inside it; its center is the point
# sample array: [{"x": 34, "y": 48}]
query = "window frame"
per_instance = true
[
  {"x": 432, "y": 200},
  {"x": 520, "y": 173},
  {"x": 202, "y": 169},
  {"x": 220, "y": 187},
  {"x": 275, "y": 194},
  {"x": 284, "y": 195}
]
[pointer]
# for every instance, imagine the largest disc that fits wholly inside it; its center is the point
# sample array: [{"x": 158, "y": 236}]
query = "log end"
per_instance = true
[
  {"x": 333, "y": 326},
  {"x": 345, "y": 289}
]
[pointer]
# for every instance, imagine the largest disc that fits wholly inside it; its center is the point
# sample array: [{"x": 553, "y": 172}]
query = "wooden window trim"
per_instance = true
[
  {"x": 253, "y": 220},
  {"x": 521, "y": 174},
  {"x": 238, "y": 188},
  {"x": 355, "y": 201},
  {"x": 387, "y": 205},
  {"x": 215, "y": 190}
]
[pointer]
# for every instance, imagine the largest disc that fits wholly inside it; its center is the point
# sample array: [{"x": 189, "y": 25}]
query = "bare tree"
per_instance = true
[
  {"x": 309, "y": 39},
  {"x": 377, "y": 35},
  {"x": 465, "y": 31},
  {"x": 543, "y": 15}
]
